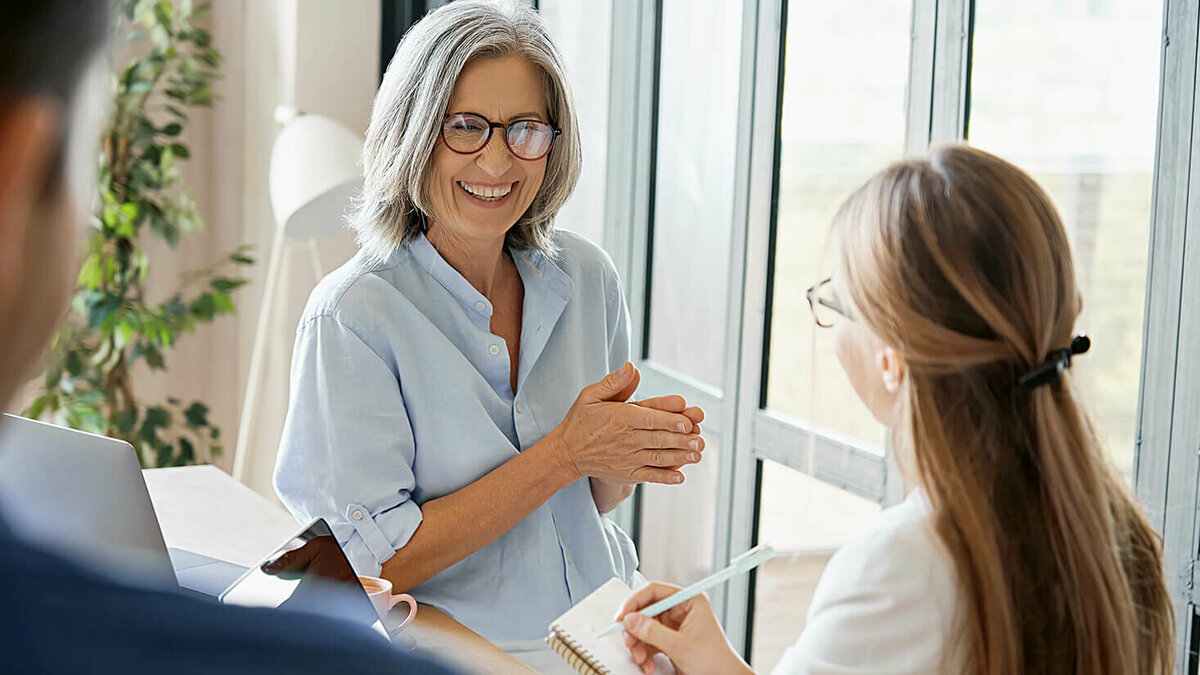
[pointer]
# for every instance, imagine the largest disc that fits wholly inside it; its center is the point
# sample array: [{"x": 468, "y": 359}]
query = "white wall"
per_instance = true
[{"x": 321, "y": 56}]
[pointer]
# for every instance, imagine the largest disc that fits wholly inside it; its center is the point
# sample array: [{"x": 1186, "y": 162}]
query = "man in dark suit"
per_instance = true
[{"x": 55, "y": 615}]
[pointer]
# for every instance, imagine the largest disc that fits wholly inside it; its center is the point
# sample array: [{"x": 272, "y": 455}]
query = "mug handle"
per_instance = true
[{"x": 412, "y": 607}]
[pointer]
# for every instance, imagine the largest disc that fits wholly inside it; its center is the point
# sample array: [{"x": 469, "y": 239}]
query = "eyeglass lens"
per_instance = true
[{"x": 527, "y": 139}]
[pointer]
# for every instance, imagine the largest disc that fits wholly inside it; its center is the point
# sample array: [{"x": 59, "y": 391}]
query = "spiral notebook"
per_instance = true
[{"x": 574, "y": 635}]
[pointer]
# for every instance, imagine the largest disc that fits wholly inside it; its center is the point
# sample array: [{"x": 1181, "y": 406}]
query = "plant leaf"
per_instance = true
[
  {"x": 90, "y": 273},
  {"x": 197, "y": 415},
  {"x": 227, "y": 285},
  {"x": 100, "y": 308},
  {"x": 223, "y": 303},
  {"x": 74, "y": 364},
  {"x": 154, "y": 358},
  {"x": 204, "y": 307},
  {"x": 35, "y": 410},
  {"x": 126, "y": 420},
  {"x": 174, "y": 307},
  {"x": 162, "y": 455}
]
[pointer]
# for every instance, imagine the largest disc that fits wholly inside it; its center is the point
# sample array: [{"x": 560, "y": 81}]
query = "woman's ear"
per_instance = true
[{"x": 892, "y": 368}]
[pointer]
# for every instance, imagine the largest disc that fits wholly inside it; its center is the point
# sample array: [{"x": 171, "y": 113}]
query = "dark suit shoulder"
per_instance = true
[{"x": 57, "y": 617}]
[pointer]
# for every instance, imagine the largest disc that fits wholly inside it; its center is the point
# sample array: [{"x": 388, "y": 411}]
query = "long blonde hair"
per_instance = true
[{"x": 960, "y": 261}]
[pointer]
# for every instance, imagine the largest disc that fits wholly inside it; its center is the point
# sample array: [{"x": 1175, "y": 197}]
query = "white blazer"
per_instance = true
[{"x": 885, "y": 604}]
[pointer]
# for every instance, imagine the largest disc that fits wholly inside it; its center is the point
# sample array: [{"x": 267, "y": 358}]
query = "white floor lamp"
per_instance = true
[{"x": 314, "y": 173}]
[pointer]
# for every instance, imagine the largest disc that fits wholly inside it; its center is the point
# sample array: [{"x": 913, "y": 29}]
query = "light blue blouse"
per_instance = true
[{"x": 400, "y": 394}]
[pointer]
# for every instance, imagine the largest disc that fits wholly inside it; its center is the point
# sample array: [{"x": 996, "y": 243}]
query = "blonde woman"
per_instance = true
[
  {"x": 459, "y": 389},
  {"x": 953, "y": 305}
]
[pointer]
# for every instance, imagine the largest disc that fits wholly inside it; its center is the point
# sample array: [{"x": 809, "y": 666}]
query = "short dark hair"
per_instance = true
[{"x": 45, "y": 48}]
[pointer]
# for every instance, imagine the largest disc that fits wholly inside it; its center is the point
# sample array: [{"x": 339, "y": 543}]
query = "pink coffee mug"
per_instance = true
[{"x": 380, "y": 593}]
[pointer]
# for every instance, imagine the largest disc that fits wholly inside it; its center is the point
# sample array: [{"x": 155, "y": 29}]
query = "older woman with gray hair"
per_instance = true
[{"x": 459, "y": 403}]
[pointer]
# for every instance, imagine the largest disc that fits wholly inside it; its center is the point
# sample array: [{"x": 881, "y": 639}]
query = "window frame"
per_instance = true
[{"x": 1167, "y": 456}]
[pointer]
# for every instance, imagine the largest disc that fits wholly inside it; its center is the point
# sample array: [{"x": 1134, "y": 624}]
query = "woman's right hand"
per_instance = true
[
  {"x": 604, "y": 437},
  {"x": 688, "y": 634}
]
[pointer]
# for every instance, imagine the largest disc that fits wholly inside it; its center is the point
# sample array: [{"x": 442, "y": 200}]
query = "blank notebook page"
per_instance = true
[{"x": 581, "y": 625}]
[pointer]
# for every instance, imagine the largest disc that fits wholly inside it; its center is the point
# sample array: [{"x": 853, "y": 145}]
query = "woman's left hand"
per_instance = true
[
  {"x": 675, "y": 403},
  {"x": 609, "y": 495}
]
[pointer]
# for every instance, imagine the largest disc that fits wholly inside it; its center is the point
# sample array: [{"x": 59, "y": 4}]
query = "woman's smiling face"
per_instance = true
[{"x": 479, "y": 196}]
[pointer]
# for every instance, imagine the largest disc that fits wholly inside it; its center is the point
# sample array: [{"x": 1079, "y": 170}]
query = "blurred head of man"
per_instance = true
[{"x": 53, "y": 91}]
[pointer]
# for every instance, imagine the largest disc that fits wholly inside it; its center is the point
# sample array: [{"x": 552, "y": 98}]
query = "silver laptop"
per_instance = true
[{"x": 84, "y": 497}]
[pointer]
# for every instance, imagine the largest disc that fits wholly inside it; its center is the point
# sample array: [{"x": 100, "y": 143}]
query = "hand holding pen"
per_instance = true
[{"x": 683, "y": 626}]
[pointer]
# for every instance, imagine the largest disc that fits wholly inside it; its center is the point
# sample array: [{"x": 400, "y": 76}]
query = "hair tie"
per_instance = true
[{"x": 1058, "y": 361}]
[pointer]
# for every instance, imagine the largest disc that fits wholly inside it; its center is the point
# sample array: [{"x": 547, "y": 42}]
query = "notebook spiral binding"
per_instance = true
[{"x": 577, "y": 657}]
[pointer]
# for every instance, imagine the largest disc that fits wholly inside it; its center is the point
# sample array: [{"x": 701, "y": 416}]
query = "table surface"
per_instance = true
[{"x": 203, "y": 509}]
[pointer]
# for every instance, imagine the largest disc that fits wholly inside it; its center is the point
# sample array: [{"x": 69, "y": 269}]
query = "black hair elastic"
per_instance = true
[{"x": 1058, "y": 361}]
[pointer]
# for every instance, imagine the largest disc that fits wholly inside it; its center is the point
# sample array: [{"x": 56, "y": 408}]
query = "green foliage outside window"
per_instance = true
[{"x": 113, "y": 325}]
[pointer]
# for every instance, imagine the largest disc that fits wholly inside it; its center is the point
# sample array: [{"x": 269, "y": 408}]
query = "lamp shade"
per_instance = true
[{"x": 314, "y": 173}]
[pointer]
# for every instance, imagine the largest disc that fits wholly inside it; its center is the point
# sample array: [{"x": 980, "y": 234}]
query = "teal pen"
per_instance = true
[{"x": 741, "y": 564}]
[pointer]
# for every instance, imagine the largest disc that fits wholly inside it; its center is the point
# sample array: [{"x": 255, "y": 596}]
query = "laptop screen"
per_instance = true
[{"x": 308, "y": 573}]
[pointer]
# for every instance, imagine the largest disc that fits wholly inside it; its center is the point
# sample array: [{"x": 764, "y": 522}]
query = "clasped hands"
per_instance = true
[{"x": 606, "y": 436}]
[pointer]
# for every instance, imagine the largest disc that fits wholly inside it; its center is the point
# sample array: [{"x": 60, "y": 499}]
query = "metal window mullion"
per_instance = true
[
  {"x": 731, "y": 598},
  {"x": 951, "y": 71},
  {"x": 919, "y": 92},
  {"x": 764, "y": 76},
  {"x": 1182, "y": 526},
  {"x": 1165, "y": 462},
  {"x": 844, "y": 462},
  {"x": 1164, "y": 280},
  {"x": 628, "y": 172}
]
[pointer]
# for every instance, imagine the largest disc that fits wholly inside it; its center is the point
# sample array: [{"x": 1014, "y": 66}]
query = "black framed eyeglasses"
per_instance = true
[
  {"x": 466, "y": 133},
  {"x": 824, "y": 304}
]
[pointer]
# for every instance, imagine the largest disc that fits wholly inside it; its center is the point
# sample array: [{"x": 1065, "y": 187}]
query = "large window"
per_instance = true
[
  {"x": 749, "y": 123},
  {"x": 842, "y": 119},
  {"x": 694, "y": 183},
  {"x": 1069, "y": 92}
]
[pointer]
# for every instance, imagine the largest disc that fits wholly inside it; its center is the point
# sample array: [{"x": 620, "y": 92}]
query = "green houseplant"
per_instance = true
[{"x": 113, "y": 323}]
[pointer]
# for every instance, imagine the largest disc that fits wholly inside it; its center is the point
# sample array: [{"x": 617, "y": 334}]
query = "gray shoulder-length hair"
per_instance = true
[{"x": 406, "y": 121}]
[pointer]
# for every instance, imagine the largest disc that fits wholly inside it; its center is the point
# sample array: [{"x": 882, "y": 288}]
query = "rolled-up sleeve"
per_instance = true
[{"x": 347, "y": 450}]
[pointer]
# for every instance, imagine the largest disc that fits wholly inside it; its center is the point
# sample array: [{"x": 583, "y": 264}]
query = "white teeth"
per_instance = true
[{"x": 491, "y": 194}]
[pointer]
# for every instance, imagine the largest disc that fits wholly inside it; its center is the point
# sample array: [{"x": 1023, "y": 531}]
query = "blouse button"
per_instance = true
[
  {"x": 480, "y": 306},
  {"x": 357, "y": 515},
  {"x": 520, "y": 409},
  {"x": 494, "y": 349}
]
